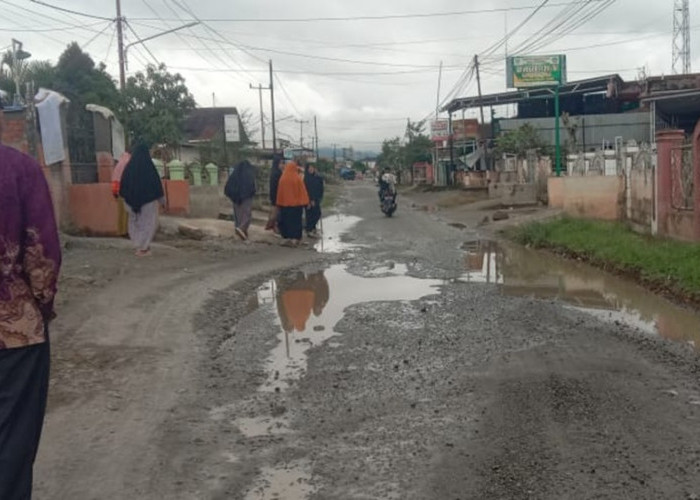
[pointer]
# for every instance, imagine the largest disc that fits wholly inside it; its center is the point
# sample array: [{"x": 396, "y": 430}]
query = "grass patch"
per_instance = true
[
  {"x": 665, "y": 265},
  {"x": 330, "y": 196}
]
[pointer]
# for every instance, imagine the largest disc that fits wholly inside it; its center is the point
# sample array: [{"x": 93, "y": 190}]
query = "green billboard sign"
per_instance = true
[{"x": 535, "y": 71}]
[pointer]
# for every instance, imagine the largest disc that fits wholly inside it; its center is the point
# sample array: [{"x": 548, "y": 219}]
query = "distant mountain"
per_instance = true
[{"x": 357, "y": 154}]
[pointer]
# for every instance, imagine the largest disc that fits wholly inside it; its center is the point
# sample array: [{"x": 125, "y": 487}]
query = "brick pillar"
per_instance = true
[
  {"x": 696, "y": 182},
  {"x": 666, "y": 142},
  {"x": 105, "y": 165}
]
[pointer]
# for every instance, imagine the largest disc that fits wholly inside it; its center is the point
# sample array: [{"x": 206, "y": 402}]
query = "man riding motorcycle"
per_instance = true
[{"x": 387, "y": 182}]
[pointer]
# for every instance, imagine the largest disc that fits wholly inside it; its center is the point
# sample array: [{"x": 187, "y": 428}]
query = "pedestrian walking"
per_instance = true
[
  {"x": 292, "y": 198},
  {"x": 142, "y": 190},
  {"x": 30, "y": 259},
  {"x": 275, "y": 174},
  {"x": 240, "y": 189},
  {"x": 314, "y": 186}
]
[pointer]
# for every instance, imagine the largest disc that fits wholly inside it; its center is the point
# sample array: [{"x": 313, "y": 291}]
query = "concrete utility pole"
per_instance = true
[
  {"x": 120, "y": 46},
  {"x": 316, "y": 135},
  {"x": 260, "y": 88},
  {"x": 272, "y": 100},
  {"x": 301, "y": 131}
]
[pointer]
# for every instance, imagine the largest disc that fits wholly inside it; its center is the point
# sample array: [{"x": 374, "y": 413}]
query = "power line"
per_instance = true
[
  {"x": 48, "y": 30},
  {"x": 86, "y": 44},
  {"x": 377, "y": 17},
  {"x": 69, "y": 11}
]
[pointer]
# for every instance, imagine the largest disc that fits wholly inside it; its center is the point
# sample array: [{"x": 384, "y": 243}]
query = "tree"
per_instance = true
[
  {"x": 77, "y": 77},
  {"x": 359, "y": 166},
  {"x": 519, "y": 141},
  {"x": 325, "y": 166},
  {"x": 390, "y": 157},
  {"x": 156, "y": 103},
  {"x": 418, "y": 146},
  {"x": 14, "y": 70}
]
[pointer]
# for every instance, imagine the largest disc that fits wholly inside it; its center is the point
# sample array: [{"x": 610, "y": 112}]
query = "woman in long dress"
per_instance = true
[
  {"x": 142, "y": 190},
  {"x": 240, "y": 189},
  {"x": 292, "y": 198}
]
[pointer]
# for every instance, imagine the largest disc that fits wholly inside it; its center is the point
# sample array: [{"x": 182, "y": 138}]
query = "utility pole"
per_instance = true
[
  {"x": 262, "y": 112},
  {"x": 439, "y": 87},
  {"x": 120, "y": 46},
  {"x": 481, "y": 111},
  {"x": 301, "y": 131},
  {"x": 272, "y": 102},
  {"x": 316, "y": 135},
  {"x": 478, "y": 83}
]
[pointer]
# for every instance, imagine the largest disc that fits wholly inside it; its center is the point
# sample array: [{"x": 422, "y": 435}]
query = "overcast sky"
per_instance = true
[{"x": 361, "y": 77}]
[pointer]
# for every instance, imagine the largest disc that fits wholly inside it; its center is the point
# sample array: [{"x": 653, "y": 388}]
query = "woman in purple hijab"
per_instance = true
[{"x": 30, "y": 259}]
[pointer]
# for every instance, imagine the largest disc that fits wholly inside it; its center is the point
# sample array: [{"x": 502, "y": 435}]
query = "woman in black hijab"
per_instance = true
[
  {"x": 240, "y": 189},
  {"x": 141, "y": 189}
]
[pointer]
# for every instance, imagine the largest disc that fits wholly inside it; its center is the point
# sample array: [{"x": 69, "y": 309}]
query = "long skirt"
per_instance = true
[
  {"x": 143, "y": 225},
  {"x": 313, "y": 215},
  {"x": 243, "y": 214},
  {"x": 291, "y": 224},
  {"x": 24, "y": 384}
]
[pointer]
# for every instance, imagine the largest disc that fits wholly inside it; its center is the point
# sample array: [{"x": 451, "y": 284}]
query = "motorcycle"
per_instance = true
[{"x": 388, "y": 203}]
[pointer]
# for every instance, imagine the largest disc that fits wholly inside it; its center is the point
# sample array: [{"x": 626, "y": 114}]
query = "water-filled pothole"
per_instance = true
[
  {"x": 520, "y": 271},
  {"x": 309, "y": 305},
  {"x": 333, "y": 228}
]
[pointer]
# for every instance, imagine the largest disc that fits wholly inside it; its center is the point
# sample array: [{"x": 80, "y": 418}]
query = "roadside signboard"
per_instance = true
[
  {"x": 232, "y": 128},
  {"x": 439, "y": 130},
  {"x": 535, "y": 71}
]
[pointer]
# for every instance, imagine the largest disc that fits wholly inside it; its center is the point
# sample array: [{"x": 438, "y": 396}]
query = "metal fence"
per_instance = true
[
  {"x": 682, "y": 187},
  {"x": 84, "y": 173}
]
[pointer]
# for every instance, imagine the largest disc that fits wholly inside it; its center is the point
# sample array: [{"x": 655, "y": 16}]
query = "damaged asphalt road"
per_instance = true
[{"x": 380, "y": 371}]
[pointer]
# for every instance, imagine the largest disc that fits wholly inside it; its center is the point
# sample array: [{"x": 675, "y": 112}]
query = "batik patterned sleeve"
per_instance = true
[{"x": 42, "y": 250}]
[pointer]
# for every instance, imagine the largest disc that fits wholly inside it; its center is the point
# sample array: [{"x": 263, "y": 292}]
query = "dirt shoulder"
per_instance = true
[{"x": 472, "y": 210}]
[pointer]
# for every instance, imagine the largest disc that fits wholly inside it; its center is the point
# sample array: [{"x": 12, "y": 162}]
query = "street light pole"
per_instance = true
[{"x": 143, "y": 40}]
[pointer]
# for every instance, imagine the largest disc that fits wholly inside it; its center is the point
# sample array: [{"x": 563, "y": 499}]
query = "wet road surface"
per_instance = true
[{"x": 413, "y": 360}]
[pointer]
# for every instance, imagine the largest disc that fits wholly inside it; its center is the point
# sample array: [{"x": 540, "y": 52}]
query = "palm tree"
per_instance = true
[{"x": 14, "y": 68}]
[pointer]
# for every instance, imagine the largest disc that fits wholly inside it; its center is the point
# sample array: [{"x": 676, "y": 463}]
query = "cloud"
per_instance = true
[{"x": 362, "y": 78}]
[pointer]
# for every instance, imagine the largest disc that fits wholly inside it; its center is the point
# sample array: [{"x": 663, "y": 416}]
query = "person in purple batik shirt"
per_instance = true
[{"x": 30, "y": 259}]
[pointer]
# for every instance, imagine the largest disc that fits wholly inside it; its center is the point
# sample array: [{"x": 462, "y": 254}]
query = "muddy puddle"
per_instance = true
[
  {"x": 285, "y": 482},
  {"x": 308, "y": 306},
  {"x": 523, "y": 272},
  {"x": 333, "y": 228}
]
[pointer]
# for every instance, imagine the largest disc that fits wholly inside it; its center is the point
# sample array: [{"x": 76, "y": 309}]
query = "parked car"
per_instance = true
[{"x": 348, "y": 174}]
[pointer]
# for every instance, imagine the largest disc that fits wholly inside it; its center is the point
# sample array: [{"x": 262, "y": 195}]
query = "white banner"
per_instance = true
[{"x": 232, "y": 128}]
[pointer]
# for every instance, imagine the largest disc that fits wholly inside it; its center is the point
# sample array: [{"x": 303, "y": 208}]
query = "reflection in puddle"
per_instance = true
[
  {"x": 333, "y": 227},
  {"x": 291, "y": 482},
  {"x": 523, "y": 272},
  {"x": 310, "y": 304}
]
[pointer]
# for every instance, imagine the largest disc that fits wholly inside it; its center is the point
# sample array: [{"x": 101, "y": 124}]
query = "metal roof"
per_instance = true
[{"x": 597, "y": 84}]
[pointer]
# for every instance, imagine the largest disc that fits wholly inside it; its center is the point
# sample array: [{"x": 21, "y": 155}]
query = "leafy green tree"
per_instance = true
[
  {"x": 156, "y": 103},
  {"x": 418, "y": 147},
  {"x": 42, "y": 74},
  {"x": 519, "y": 141},
  {"x": 325, "y": 166},
  {"x": 390, "y": 157},
  {"x": 359, "y": 166},
  {"x": 77, "y": 77}
]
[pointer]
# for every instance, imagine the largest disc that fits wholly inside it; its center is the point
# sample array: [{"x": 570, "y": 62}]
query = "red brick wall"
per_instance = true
[{"x": 14, "y": 132}]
